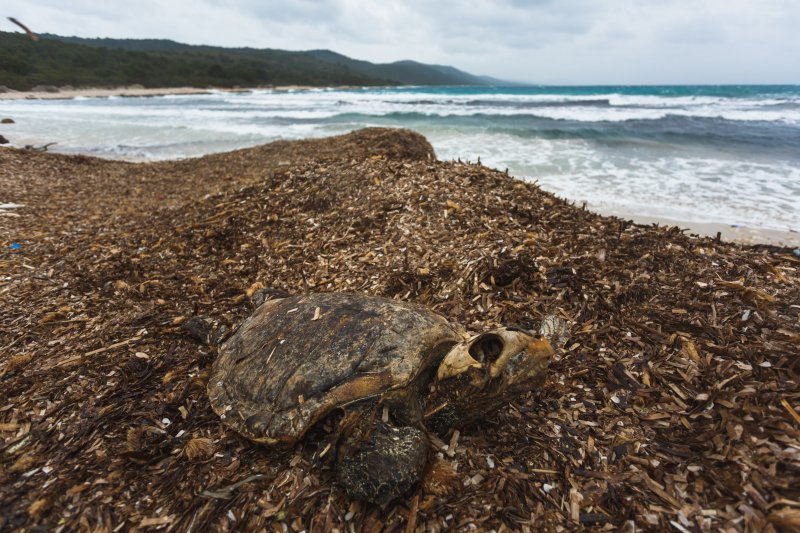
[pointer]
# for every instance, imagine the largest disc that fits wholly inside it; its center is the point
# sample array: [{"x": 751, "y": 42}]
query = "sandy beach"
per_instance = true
[
  {"x": 739, "y": 234},
  {"x": 674, "y": 398},
  {"x": 97, "y": 92}
]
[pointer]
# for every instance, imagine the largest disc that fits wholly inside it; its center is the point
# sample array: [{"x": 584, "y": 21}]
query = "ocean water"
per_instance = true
[{"x": 719, "y": 154}]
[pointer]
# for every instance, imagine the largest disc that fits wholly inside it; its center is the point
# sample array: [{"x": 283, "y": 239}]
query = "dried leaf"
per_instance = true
[
  {"x": 38, "y": 508},
  {"x": 199, "y": 449}
]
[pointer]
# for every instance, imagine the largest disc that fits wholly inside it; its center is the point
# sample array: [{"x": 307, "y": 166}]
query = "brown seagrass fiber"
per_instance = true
[{"x": 672, "y": 403}]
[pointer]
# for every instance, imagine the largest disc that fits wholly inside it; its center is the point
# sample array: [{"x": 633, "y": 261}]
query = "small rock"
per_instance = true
[
  {"x": 7, "y": 120},
  {"x": 3, "y": 140}
]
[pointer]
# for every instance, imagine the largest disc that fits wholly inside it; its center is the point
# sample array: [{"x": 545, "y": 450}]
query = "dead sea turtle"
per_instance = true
[{"x": 390, "y": 370}]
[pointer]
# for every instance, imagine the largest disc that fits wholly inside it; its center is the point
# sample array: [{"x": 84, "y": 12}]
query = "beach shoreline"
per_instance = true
[
  {"x": 727, "y": 232},
  {"x": 135, "y": 91},
  {"x": 744, "y": 182}
]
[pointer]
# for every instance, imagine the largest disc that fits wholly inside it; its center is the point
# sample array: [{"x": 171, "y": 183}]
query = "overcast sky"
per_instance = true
[{"x": 540, "y": 41}]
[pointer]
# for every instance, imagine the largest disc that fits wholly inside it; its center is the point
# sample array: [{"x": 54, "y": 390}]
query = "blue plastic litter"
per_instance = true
[{"x": 16, "y": 246}]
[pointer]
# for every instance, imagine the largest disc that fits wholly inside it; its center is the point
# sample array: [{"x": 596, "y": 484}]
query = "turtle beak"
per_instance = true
[{"x": 523, "y": 361}]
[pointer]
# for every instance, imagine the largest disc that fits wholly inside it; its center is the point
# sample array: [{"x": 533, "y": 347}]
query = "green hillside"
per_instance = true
[
  {"x": 77, "y": 61},
  {"x": 25, "y": 64},
  {"x": 399, "y": 72},
  {"x": 408, "y": 72}
]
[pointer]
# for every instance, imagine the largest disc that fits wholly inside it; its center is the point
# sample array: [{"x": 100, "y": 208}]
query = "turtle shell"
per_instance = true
[{"x": 296, "y": 359}]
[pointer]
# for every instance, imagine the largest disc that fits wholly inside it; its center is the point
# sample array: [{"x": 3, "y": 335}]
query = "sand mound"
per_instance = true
[{"x": 673, "y": 402}]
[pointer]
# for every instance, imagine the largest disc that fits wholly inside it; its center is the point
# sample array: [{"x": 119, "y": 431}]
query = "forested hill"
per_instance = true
[
  {"x": 75, "y": 61},
  {"x": 408, "y": 72}
]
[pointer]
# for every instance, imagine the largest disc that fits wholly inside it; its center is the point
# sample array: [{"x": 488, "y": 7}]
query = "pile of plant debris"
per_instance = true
[{"x": 673, "y": 404}]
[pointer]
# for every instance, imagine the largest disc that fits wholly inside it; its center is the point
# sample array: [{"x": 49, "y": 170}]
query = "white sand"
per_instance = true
[
  {"x": 66, "y": 94},
  {"x": 727, "y": 232},
  {"x": 95, "y": 92}
]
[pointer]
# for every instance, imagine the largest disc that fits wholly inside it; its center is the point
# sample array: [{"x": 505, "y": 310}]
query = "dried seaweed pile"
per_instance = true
[{"x": 673, "y": 403}]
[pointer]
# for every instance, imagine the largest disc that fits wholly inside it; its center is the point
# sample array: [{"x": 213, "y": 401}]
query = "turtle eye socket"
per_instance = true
[{"x": 487, "y": 348}]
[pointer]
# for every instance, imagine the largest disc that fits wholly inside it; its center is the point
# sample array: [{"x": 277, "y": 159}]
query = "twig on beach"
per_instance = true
[{"x": 113, "y": 346}]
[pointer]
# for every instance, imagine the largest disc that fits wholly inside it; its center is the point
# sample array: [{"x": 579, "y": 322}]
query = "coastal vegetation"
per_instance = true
[{"x": 59, "y": 61}]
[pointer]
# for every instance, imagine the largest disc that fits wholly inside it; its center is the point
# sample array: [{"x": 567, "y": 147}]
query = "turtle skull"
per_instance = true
[{"x": 504, "y": 359}]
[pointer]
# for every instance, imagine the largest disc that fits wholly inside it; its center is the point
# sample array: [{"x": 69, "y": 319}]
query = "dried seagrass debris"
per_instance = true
[{"x": 667, "y": 404}]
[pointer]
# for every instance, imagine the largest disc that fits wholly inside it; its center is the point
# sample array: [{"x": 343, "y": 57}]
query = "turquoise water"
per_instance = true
[
  {"x": 725, "y": 91},
  {"x": 728, "y": 154}
]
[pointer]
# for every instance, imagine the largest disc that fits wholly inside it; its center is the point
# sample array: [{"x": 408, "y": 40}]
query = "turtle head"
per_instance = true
[
  {"x": 502, "y": 359},
  {"x": 484, "y": 371}
]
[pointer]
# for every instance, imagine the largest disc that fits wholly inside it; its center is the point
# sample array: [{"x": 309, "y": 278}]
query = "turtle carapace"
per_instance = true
[{"x": 396, "y": 371}]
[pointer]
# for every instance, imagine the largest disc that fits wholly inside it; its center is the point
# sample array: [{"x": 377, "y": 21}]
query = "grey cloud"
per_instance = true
[
  {"x": 576, "y": 41},
  {"x": 696, "y": 32},
  {"x": 302, "y": 11}
]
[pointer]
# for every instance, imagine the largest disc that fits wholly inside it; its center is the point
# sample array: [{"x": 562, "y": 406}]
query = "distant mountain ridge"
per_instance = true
[
  {"x": 405, "y": 72},
  {"x": 408, "y": 72}
]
